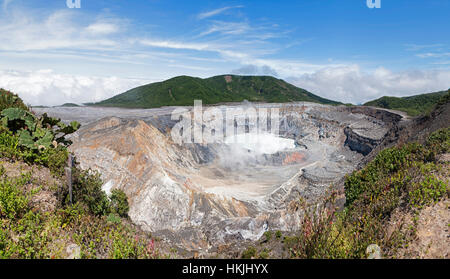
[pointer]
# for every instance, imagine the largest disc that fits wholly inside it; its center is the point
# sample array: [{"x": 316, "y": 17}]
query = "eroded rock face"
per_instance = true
[{"x": 205, "y": 195}]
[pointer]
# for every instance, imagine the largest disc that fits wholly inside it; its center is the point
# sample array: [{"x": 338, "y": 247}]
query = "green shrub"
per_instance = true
[
  {"x": 33, "y": 241},
  {"x": 444, "y": 99},
  {"x": 119, "y": 202},
  {"x": 428, "y": 191},
  {"x": 87, "y": 189},
  {"x": 264, "y": 254},
  {"x": 268, "y": 235},
  {"x": 386, "y": 163},
  {"x": 278, "y": 234},
  {"x": 114, "y": 218},
  {"x": 9, "y": 145},
  {"x": 125, "y": 248},
  {"x": 53, "y": 158},
  {"x": 37, "y": 133},
  {"x": 13, "y": 200},
  {"x": 36, "y": 140},
  {"x": 249, "y": 253},
  {"x": 4, "y": 244},
  {"x": 56, "y": 160},
  {"x": 439, "y": 141},
  {"x": 10, "y": 100}
]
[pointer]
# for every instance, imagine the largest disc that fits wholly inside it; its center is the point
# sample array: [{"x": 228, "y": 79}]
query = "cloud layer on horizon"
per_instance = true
[
  {"x": 346, "y": 84},
  {"x": 350, "y": 84},
  {"x": 44, "y": 87}
]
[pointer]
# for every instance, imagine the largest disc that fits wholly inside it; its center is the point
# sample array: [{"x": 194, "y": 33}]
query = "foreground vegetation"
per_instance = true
[
  {"x": 399, "y": 181},
  {"x": 37, "y": 220},
  {"x": 413, "y": 105}
]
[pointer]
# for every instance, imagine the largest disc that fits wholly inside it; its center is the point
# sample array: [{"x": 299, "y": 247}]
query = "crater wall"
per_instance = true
[{"x": 204, "y": 195}]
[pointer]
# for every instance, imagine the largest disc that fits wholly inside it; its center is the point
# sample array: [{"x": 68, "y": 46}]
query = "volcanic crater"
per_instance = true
[{"x": 203, "y": 195}]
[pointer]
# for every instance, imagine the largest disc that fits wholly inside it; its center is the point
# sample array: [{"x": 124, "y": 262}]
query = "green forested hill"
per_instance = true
[
  {"x": 413, "y": 105},
  {"x": 69, "y": 105},
  {"x": 183, "y": 90}
]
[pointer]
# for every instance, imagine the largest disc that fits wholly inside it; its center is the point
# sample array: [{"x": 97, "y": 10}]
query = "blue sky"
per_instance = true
[{"x": 338, "y": 49}]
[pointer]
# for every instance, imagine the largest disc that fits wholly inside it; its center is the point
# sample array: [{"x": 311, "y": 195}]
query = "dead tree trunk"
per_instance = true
[{"x": 69, "y": 176}]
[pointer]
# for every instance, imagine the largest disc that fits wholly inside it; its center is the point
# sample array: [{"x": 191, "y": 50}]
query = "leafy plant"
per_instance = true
[
  {"x": 278, "y": 234},
  {"x": 13, "y": 201},
  {"x": 9, "y": 145},
  {"x": 40, "y": 140},
  {"x": 16, "y": 119},
  {"x": 249, "y": 253},
  {"x": 439, "y": 141},
  {"x": 37, "y": 133},
  {"x": 87, "y": 189},
  {"x": 119, "y": 202},
  {"x": 428, "y": 191},
  {"x": 268, "y": 235},
  {"x": 385, "y": 163}
]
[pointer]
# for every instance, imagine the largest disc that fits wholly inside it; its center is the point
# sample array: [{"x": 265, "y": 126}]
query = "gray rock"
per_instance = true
[
  {"x": 73, "y": 251},
  {"x": 373, "y": 251}
]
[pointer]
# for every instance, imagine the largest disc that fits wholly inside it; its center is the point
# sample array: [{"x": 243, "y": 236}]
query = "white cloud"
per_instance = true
[
  {"x": 255, "y": 70},
  {"x": 444, "y": 62},
  {"x": 25, "y": 31},
  {"x": 416, "y": 47},
  {"x": 215, "y": 12},
  {"x": 44, "y": 87},
  {"x": 50, "y": 35},
  {"x": 102, "y": 28},
  {"x": 227, "y": 28},
  {"x": 174, "y": 44},
  {"x": 433, "y": 54},
  {"x": 6, "y": 3},
  {"x": 351, "y": 84}
]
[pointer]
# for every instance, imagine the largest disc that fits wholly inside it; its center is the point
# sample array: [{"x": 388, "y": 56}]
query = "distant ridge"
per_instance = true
[
  {"x": 413, "y": 105},
  {"x": 69, "y": 105},
  {"x": 183, "y": 90}
]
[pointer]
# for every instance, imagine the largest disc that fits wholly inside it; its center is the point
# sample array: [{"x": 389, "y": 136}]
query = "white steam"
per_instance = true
[{"x": 260, "y": 143}]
